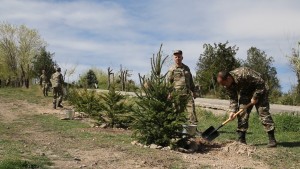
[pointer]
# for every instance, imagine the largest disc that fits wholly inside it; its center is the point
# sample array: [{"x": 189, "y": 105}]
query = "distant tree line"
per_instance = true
[{"x": 221, "y": 56}]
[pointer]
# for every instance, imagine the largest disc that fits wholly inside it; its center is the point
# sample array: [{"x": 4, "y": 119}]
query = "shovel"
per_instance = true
[{"x": 211, "y": 133}]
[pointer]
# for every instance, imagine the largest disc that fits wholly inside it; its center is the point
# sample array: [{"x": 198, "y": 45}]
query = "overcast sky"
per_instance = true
[{"x": 92, "y": 33}]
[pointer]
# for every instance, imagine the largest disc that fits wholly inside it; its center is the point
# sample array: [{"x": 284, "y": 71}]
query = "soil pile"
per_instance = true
[{"x": 234, "y": 148}]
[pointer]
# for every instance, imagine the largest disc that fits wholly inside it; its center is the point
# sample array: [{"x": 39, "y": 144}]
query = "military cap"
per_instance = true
[{"x": 177, "y": 52}]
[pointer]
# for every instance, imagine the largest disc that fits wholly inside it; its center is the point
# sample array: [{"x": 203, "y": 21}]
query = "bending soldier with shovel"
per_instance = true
[{"x": 246, "y": 86}]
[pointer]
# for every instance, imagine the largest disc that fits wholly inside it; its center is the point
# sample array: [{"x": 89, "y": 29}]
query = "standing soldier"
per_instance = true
[
  {"x": 44, "y": 83},
  {"x": 57, "y": 82},
  {"x": 244, "y": 86},
  {"x": 180, "y": 77}
]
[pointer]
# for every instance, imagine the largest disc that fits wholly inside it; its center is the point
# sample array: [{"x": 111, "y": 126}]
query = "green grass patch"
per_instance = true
[
  {"x": 19, "y": 164},
  {"x": 15, "y": 156},
  {"x": 33, "y": 94},
  {"x": 52, "y": 123}
]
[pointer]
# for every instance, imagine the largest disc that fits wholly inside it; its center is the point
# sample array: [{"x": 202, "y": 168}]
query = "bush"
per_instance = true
[
  {"x": 287, "y": 123},
  {"x": 115, "y": 111},
  {"x": 290, "y": 99},
  {"x": 85, "y": 101}
]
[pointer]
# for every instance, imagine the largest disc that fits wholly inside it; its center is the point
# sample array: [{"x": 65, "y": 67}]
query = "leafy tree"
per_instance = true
[
  {"x": 101, "y": 77},
  {"x": 295, "y": 63},
  {"x": 8, "y": 49},
  {"x": 156, "y": 120},
  {"x": 18, "y": 46},
  {"x": 260, "y": 62},
  {"x": 91, "y": 78},
  {"x": 43, "y": 61},
  {"x": 215, "y": 58}
]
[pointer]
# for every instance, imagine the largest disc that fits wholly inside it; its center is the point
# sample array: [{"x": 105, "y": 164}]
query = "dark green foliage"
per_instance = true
[
  {"x": 91, "y": 79},
  {"x": 290, "y": 98},
  {"x": 85, "y": 101},
  {"x": 215, "y": 58},
  {"x": 156, "y": 119},
  {"x": 43, "y": 61},
  {"x": 111, "y": 108},
  {"x": 115, "y": 111},
  {"x": 287, "y": 123},
  {"x": 260, "y": 62}
]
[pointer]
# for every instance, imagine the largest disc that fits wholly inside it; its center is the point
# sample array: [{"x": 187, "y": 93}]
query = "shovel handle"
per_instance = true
[{"x": 237, "y": 113}]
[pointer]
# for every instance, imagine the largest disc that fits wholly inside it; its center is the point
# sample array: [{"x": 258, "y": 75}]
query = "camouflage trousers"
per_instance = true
[
  {"x": 262, "y": 108},
  {"x": 57, "y": 94},
  {"x": 190, "y": 107},
  {"x": 45, "y": 89}
]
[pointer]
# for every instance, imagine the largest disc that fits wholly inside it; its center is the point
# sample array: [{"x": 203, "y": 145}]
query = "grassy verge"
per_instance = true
[{"x": 286, "y": 155}]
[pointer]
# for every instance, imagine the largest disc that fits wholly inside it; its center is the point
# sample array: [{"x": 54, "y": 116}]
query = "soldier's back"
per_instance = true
[{"x": 56, "y": 79}]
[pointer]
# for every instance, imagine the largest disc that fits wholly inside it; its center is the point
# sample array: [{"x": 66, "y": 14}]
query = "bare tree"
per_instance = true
[{"x": 109, "y": 73}]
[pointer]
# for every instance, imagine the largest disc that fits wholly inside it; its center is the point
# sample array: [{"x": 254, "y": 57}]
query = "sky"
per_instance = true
[{"x": 108, "y": 33}]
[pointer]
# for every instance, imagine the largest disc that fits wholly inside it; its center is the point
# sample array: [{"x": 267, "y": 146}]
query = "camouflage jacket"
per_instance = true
[
  {"x": 43, "y": 79},
  {"x": 181, "y": 78},
  {"x": 247, "y": 84},
  {"x": 57, "y": 79}
]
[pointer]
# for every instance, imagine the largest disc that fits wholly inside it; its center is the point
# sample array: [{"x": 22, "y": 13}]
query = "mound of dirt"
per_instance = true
[
  {"x": 234, "y": 148},
  {"x": 205, "y": 146}
]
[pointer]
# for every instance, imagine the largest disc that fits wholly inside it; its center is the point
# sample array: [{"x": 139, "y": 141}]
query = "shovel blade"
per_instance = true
[{"x": 210, "y": 134}]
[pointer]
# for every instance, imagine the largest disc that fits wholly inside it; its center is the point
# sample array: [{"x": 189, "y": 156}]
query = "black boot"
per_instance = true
[
  {"x": 59, "y": 105},
  {"x": 54, "y": 105},
  {"x": 242, "y": 137},
  {"x": 272, "y": 140}
]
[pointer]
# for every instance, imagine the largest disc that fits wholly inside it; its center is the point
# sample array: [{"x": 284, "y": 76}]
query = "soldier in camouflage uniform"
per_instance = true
[
  {"x": 180, "y": 77},
  {"x": 44, "y": 83},
  {"x": 244, "y": 85},
  {"x": 57, "y": 82}
]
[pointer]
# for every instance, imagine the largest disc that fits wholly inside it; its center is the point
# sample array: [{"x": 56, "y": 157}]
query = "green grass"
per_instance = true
[
  {"x": 32, "y": 95},
  {"x": 21, "y": 164},
  {"x": 15, "y": 155},
  {"x": 286, "y": 155}
]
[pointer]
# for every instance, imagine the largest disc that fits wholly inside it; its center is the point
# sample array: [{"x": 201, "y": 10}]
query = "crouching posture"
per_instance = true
[
  {"x": 244, "y": 86},
  {"x": 57, "y": 82}
]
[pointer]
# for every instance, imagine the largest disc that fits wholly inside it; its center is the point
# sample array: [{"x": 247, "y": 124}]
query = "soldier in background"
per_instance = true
[
  {"x": 44, "y": 83},
  {"x": 244, "y": 86},
  {"x": 57, "y": 82},
  {"x": 180, "y": 77}
]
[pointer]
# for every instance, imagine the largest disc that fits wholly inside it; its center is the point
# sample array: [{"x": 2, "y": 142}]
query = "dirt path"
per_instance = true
[{"x": 70, "y": 151}]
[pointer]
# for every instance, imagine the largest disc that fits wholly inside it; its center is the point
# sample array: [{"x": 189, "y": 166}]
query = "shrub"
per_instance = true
[
  {"x": 287, "y": 123},
  {"x": 290, "y": 99},
  {"x": 87, "y": 101},
  {"x": 115, "y": 111}
]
